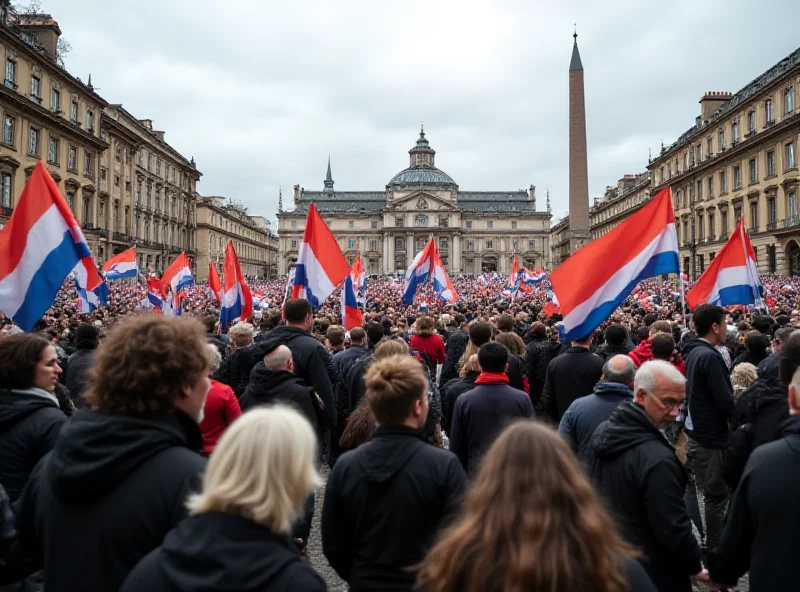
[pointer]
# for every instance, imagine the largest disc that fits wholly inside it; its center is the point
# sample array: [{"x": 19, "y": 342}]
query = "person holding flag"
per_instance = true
[{"x": 237, "y": 301}]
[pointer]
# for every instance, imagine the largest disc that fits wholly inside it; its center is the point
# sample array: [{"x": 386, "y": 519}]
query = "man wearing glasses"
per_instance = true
[{"x": 635, "y": 468}]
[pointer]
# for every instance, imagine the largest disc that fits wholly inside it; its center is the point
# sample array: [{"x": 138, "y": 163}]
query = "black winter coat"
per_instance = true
[
  {"x": 384, "y": 503},
  {"x": 571, "y": 375},
  {"x": 454, "y": 348},
  {"x": 709, "y": 393},
  {"x": 538, "y": 354},
  {"x": 770, "y": 366},
  {"x": 608, "y": 351},
  {"x": 342, "y": 363},
  {"x": 268, "y": 387},
  {"x": 758, "y": 418},
  {"x": 223, "y": 552},
  {"x": 516, "y": 372},
  {"x": 643, "y": 481},
  {"x": 235, "y": 371},
  {"x": 106, "y": 496},
  {"x": 450, "y": 394},
  {"x": 760, "y": 533},
  {"x": 77, "y": 369},
  {"x": 30, "y": 422}
]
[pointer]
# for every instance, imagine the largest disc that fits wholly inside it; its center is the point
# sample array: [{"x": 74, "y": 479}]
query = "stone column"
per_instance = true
[
  {"x": 385, "y": 255},
  {"x": 456, "y": 266}
]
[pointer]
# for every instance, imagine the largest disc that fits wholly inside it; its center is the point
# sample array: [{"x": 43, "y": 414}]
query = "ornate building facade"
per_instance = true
[
  {"x": 476, "y": 231},
  {"x": 218, "y": 223},
  {"x": 626, "y": 198},
  {"x": 739, "y": 160}
]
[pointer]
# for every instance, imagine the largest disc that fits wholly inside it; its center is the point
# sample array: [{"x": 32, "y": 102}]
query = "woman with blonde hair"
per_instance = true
[
  {"x": 238, "y": 536},
  {"x": 531, "y": 521}
]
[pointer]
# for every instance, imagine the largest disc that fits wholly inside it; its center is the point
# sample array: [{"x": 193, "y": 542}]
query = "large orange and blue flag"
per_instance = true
[
  {"x": 594, "y": 281},
  {"x": 237, "y": 301},
  {"x": 121, "y": 266}
]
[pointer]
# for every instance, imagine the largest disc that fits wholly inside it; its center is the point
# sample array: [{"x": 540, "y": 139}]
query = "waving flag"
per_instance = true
[
  {"x": 214, "y": 283},
  {"x": 732, "y": 277},
  {"x": 514, "y": 277},
  {"x": 321, "y": 265},
  {"x": 593, "y": 282},
  {"x": 358, "y": 274},
  {"x": 427, "y": 265},
  {"x": 352, "y": 315},
  {"x": 533, "y": 277},
  {"x": 237, "y": 301},
  {"x": 121, "y": 266},
  {"x": 39, "y": 246},
  {"x": 178, "y": 274},
  {"x": 92, "y": 290},
  {"x": 155, "y": 292}
]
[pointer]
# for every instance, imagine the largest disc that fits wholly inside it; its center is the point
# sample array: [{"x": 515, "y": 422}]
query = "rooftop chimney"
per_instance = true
[
  {"x": 711, "y": 101},
  {"x": 40, "y": 30}
]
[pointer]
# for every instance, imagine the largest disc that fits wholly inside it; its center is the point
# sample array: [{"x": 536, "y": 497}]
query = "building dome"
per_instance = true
[{"x": 422, "y": 169}]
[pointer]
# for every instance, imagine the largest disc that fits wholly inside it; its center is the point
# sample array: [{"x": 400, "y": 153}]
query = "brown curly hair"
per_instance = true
[{"x": 143, "y": 364}]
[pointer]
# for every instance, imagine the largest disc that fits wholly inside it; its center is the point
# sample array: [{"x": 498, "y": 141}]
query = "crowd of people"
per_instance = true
[{"x": 469, "y": 448}]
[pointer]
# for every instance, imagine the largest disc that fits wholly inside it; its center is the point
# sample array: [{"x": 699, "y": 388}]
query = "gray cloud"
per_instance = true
[{"x": 259, "y": 92}]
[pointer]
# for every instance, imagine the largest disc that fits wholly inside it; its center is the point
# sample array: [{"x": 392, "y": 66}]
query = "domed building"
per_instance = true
[{"x": 476, "y": 231}]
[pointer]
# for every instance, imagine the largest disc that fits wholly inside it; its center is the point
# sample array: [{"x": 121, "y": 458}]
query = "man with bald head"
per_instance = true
[{"x": 586, "y": 413}]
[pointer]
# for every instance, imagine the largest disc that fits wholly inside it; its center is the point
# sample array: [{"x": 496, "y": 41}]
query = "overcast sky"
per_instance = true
[{"x": 259, "y": 92}]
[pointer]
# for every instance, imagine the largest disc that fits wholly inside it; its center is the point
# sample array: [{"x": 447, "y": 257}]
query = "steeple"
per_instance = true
[
  {"x": 575, "y": 62},
  {"x": 280, "y": 199},
  {"x": 329, "y": 178},
  {"x": 422, "y": 155}
]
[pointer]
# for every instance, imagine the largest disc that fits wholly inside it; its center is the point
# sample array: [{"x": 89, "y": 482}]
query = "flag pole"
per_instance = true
[{"x": 683, "y": 289}]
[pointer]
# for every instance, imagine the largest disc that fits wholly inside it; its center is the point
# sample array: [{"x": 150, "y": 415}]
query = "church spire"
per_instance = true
[
  {"x": 329, "y": 178},
  {"x": 575, "y": 62}
]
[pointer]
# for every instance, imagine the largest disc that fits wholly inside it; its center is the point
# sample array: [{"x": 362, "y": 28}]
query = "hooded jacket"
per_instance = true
[
  {"x": 451, "y": 391},
  {"x": 454, "y": 348},
  {"x": 608, "y": 351},
  {"x": 709, "y": 393},
  {"x": 30, "y": 421},
  {"x": 268, "y": 387},
  {"x": 384, "y": 503},
  {"x": 538, "y": 354},
  {"x": 637, "y": 472},
  {"x": 218, "y": 552},
  {"x": 76, "y": 370},
  {"x": 770, "y": 366},
  {"x": 760, "y": 534},
  {"x": 119, "y": 482}
]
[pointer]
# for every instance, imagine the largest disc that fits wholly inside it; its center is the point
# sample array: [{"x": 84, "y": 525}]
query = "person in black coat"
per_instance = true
[
  {"x": 119, "y": 473},
  {"x": 769, "y": 365},
  {"x": 756, "y": 346},
  {"x": 87, "y": 338},
  {"x": 454, "y": 348},
  {"x": 538, "y": 354},
  {"x": 457, "y": 387},
  {"x": 30, "y": 417},
  {"x": 386, "y": 500},
  {"x": 638, "y": 473},
  {"x": 236, "y": 539},
  {"x": 616, "y": 342},
  {"x": 482, "y": 413},
  {"x": 571, "y": 375}
]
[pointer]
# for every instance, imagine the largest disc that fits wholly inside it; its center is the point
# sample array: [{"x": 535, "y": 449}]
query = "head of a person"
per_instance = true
[
  {"x": 584, "y": 341},
  {"x": 642, "y": 333},
  {"x": 616, "y": 335},
  {"x": 660, "y": 389},
  {"x": 298, "y": 313},
  {"x": 709, "y": 323},
  {"x": 263, "y": 469},
  {"x": 619, "y": 369},
  {"x": 505, "y": 323},
  {"x": 743, "y": 376},
  {"x": 459, "y": 320},
  {"x": 425, "y": 326},
  {"x": 513, "y": 342},
  {"x": 781, "y": 335},
  {"x": 530, "y": 521},
  {"x": 649, "y": 319},
  {"x": 241, "y": 335},
  {"x": 662, "y": 345},
  {"x": 27, "y": 360},
  {"x": 214, "y": 358},
  {"x": 480, "y": 333},
  {"x": 210, "y": 323},
  {"x": 87, "y": 337},
  {"x": 470, "y": 366},
  {"x": 763, "y": 324},
  {"x": 335, "y": 336},
  {"x": 539, "y": 331},
  {"x": 397, "y": 391},
  {"x": 493, "y": 357},
  {"x": 279, "y": 359},
  {"x": 660, "y": 327},
  {"x": 788, "y": 361},
  {"x": 756, "y": 343},
  {"x": 374, "y": 334},
  {"x": 151, "y": 366},
  {"x": 391, "y": 347},
  {"x": 782, "y": 320},
  {"x": 357, "y": 336}
]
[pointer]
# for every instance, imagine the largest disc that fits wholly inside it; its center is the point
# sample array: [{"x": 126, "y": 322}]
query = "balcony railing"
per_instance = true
[
  {"x": 790, "y": 222},
  {"x": 103, "y": 233},
  {"x": 724, "y": 236},
  {"x": 772, "y": 225},
  {"x": 118, "y": 236}
]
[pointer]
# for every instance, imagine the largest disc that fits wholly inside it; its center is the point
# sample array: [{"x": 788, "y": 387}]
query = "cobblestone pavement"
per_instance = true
[{"x": 335, "y": 584}]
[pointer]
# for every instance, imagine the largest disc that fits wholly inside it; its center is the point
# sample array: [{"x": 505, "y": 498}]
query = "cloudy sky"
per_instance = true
[{"x": 259, "y": 91}]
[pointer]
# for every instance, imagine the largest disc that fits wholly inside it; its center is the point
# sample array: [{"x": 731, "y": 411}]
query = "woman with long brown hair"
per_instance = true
[{"x": 532, "y": 522}]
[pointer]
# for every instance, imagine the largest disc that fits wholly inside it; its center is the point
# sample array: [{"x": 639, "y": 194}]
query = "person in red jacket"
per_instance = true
[
  {"x": 221, "y": 408},
  {"x": 663, "y": 348},
  {"x": 644, "y": 351},
  {"x": 428, "y": 341}
]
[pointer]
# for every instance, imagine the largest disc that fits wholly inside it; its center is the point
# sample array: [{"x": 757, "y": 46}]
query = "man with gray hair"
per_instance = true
[
  {"x": 586, "y": 413},
  {"x": 642, "y": 480}
]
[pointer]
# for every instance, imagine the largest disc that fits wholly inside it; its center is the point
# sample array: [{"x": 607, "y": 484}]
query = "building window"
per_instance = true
[
  {"x": 754, "y": 216},
  {"x": 373, "y": 245},
  {"x": 116, "y": 180},
  {"x": 398, "y": 222},
  {"x": 515, "y": 244},
  {"x": 711, "y": 187},
  {"x": 399, "y": 243},
  {"x": 488, "y": 244},
  {"x": 294, "y": 223},
  {"x": 469, "y": 223},
  {"x": 790, "y": 156},
  {"x": 11, "y": 73},
  {"x": 699, "y": 153},
  {"x": 5, "y": 190},
  {"x": 737, "y": 176},
  {"x": 52, "y": 150},
  {"x": 531, "y": 245},
  {"x": 770, "y": 163},
  {"x": 350, "y": 224},
  {"x": 87, "y": 163},
  {"x": 710, "y": 145},
  {"x": 36, "y": 87},
  {"x": 735, "y": 131},
  {"x": 685, "y": 161},
  {"x": 711, "y": 230},
  {"x": 685, "y": 231},
  {"x": 788, "y": 100},
  {"x": 421, "y": 220},
  {"x": 489, "y": 224},
  {"x": 737, "y": 214},
  {"x": 8, "y": 130},
  {"x": 769, "y": 115},
  {"x": 723, "y": 182},
  {"x": 792, "y": 205},
  {"x": 118, "y": 151},
  {"x": 89, "y": 121},
  {"x": 55, "y": 100},
  {"x": 444, "y": 222},
  {"x": 443, "y": 244},
  {"x": 72, "y": 159},
  {"x": 470, "y": 245},
  {"x": 373, "y": 224},
  {"x": 722, "y": 139},
  {"x": 700, "y": 190},
  {"x": 751, "y": 122},
  {"x": 513, "y": 224},
  {"x": 294, "y": 243},
  {"x": 33, "y": 142},
  {"x": 351, "y": 243},
  {"x": 71, "y": 200},
  {"x": 701, "y": 227},
  {"x": 73, "y": 112},
  {"x": 753, "y": 170},
  {"x": 723, "y": 218},
  {"x": 772, "y": 212}
]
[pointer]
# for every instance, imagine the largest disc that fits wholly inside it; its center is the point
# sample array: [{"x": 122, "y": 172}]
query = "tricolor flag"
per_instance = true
[
  {"x": 155, "y": 292},
  {"x": 321, "y": 265},
  {"x": 594, "y": 281},
  {"x": 427, "y": 265},
  {"x": 358, "y": 274},
  {"x": 174, "y": 280},
  {"x": 533, "y": 277},
  {"x": 39, "y": 247},
  {"x": 92, "y": 290},
  {"x": 514, "y": 277},
  {"x": 121, "y": 266},
  {"x": 237, "y": 302},
  {"x": 732, "y": 277},
  {"x": 214, "y": 283},
  {"x": 352, "y": 315}
]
